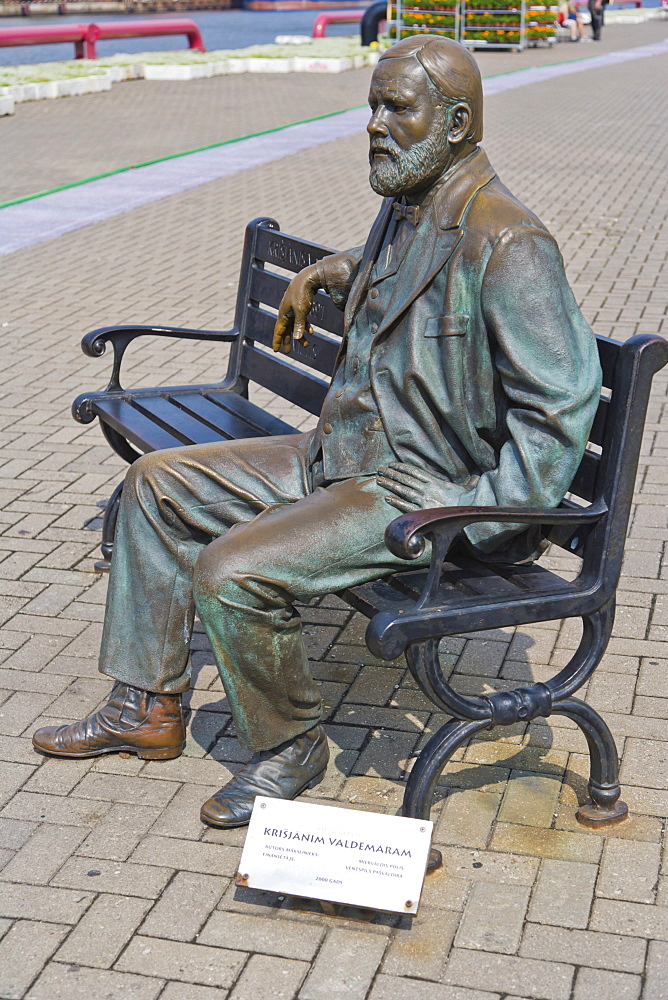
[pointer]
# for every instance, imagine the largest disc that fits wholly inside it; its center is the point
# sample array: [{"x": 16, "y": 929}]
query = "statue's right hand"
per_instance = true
[{"x": 294, "y": 308}]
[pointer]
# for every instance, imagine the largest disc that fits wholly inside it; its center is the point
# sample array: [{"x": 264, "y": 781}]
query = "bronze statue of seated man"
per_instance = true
[{"x": 467, "y": 376}]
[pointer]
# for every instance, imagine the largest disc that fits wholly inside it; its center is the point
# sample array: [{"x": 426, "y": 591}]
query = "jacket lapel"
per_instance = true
[
  {"x": 437, "y": 235},
  {"x": 369, "y": 258}
]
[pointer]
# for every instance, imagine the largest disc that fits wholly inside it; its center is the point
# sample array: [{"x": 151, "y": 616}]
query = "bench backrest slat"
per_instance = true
[
  {"x": 319, "y": 352},
  {"x": 268, "y": 288},
  {"x": 296, "y": 386}
]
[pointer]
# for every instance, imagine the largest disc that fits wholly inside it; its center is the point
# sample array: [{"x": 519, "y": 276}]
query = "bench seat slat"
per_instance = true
[
  {"x": 139, "y": 429},
  {"x": 220, "y": 412},
  {"x": 458, "y": 591},
  {"x": 185, "y": 426}
]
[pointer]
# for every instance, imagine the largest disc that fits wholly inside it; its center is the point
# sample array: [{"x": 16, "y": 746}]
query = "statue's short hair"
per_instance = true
[{"x": 451, "y": 69}]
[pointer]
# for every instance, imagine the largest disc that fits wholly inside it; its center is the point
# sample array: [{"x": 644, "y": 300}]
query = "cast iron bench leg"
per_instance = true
[
  {"x": 109, "y": 529},
  {"x": 505, "y": 708}
]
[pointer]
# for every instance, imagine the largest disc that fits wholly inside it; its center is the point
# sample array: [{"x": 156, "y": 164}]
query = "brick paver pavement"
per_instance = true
[{"x": 111, "y": 887}]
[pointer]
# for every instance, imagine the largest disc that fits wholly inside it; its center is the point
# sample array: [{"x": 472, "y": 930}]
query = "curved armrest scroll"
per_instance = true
[
  {"x": 405, "y": 536},
  {"x": 94, "y": 344}
]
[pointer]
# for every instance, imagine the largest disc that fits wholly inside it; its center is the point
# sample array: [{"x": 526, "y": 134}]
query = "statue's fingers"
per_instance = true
[
  {"x": 401, "y": 490},
  {"x": 402, "y": 505},
  {"x": 409, "y": 470},
  {"x": 393, "y": 475}
]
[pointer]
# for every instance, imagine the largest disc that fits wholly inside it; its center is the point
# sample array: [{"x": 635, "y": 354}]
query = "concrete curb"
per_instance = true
[{"x": 10, "y": 96}]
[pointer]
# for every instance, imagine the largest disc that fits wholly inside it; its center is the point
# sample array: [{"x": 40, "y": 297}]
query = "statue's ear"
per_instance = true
[{"x": 460, "y": 123}]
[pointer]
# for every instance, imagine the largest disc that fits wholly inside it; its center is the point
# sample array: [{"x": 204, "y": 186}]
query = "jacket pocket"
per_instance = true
[{"x": 446, "y": 326}]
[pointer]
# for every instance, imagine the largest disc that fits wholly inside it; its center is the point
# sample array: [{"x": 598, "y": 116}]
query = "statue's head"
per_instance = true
[{"x": 426, "y": 103}]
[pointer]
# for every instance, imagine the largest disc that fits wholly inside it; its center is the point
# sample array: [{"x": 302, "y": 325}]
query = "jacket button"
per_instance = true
[
  {"x": 374, "y": 293},
  {"x": 374, "y": 327},
  {"x": 338, "y": 393},
  {"x": 327, "y": 428}
]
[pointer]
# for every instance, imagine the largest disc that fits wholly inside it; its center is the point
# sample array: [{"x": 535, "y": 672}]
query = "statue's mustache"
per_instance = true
[{"x": 389, "y": 147}]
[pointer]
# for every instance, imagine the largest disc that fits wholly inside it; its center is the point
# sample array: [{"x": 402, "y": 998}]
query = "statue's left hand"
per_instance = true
[
  {"x": 294, "y": 308},
  {"x": 415, "y": 489}
]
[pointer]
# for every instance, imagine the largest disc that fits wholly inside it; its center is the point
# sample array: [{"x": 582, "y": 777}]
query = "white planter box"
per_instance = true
[
  {"x": 237, "y": 65},
  {"x": 270, "y": 65},
  {"x": 6, "y": 106},
  {"x": 305, "y": 64},
  {"x": 152, "y": 72}
]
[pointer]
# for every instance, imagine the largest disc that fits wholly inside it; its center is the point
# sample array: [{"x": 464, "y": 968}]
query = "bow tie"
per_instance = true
[{"x": 410, "y": 212}]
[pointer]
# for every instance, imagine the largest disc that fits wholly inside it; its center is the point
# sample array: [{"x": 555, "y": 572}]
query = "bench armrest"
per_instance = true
[
  {"x": 94, "y": 344},
  {"x": 406, "y": 536}
]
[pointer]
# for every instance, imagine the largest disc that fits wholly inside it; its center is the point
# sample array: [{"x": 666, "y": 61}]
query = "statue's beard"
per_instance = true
[{"x": 403, "y": 170}]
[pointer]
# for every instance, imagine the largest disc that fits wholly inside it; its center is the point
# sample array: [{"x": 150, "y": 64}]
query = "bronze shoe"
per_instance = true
[
  {"x": 281, "y": 773},
  {"x": 132, "y": 721}
]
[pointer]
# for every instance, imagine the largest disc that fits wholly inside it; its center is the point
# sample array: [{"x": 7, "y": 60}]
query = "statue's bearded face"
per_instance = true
[{"x": 408, "y": 146}]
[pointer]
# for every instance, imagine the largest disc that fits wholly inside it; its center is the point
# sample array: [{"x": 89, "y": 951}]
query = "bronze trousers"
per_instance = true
[{"x": 238, "y": 531}]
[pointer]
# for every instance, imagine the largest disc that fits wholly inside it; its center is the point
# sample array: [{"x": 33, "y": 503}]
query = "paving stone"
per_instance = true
[
  {"x": 630, "y": 918},
  {"x": 466, "y": 820},
  {"x": 12, "y": 776},
  {"x": 606, "y": 951},
  {"x": 115, "y": 876},
  {"x": 68, "y": 982},
  {"x": 419, "y": 949},
  {"x": 645, "y": 762},
  {"x": 395, "y": 988},
  {"x": 187, "y": 855},
  {"x": 65, "y": 810},
  {"x": 656, "y": 980},
  {"x": 546, "y": 843},
  {"x": 386, "y": 755},
  {"x": 345, "y": 967},
  {"x": 563, "y": 894},
  {"x": 139, "y": 791},
  {"x": 181, "y": 817},
  {"x": 41, "y": 857},
  {"x": 189, "y": 963},
  {"x": 184, "y": 906},
  {"x": 489, "y": 866},
  {"x": 100, "y": 936},
  {"x": 23, "y": 953},
  {"x": 272, "y": 937},
  {"x": 530, "y": 799},
  {"x": 118, "y": 832},
  {"x": 22, "y": 709},
  {"x": 33, "y": 902},
  {"x": 592, "y": 984},
  {"x": 188, "y": 991},
  {"x": 14, "y": 833},
  {"x": 493, "y": 921},
  {"x": 629, "y": 870},
  {"x": 58, "y": 777},
  {"x": 483, "y": 970},
  {"x": 270, "y": 978}
]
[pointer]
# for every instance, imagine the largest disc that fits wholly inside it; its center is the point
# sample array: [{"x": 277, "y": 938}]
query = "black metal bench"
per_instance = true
[{"x": 411, "y": 611}]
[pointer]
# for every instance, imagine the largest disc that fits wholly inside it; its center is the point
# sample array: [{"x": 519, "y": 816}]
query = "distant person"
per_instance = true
[
  {"x": 596, "y": 10},
  {"x": 571, "y": 19}
]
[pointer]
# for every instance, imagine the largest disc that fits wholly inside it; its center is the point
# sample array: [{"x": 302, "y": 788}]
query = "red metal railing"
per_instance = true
[
  {"x": 85, "y": 36},
  {"x": 334, "y": 17}
]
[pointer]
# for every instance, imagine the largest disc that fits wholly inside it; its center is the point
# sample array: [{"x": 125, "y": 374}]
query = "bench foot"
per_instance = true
[
  {"x": 435, "y": 861},
  {"x": 593, "y": 816}
]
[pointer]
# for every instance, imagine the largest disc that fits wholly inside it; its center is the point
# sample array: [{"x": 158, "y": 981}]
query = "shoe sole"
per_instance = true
[
  {"x": 164, "y": 753},
  {"x": 231, "y": 826}
]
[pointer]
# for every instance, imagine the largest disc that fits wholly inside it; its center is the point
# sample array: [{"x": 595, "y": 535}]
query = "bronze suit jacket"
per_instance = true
[{"x": 484, "y": 370}]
